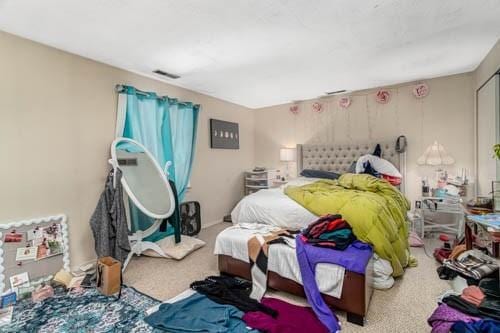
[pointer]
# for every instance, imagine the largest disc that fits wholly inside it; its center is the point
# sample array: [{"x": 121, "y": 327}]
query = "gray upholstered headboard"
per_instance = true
[{"x": 338, "y": 157}]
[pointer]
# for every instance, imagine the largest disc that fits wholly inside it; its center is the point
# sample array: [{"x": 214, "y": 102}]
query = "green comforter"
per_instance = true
[{"x": 374, "y": 208}]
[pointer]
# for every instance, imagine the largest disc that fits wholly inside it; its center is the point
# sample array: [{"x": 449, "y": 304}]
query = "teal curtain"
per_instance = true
[
  {"x": 147, "y": 121},
  {"x": 167, "y": 129},
  {"x": 184, "y": 123}
]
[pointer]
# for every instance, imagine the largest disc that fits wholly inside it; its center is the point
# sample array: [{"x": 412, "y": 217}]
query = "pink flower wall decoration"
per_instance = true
[
  {"x": 383, "y": 96},
  {"x": 317, "y": 107},
  {"x": 421, "y": 90},
  {"x": 345, "y": 102},
  {"x": 294, "y": 109}
]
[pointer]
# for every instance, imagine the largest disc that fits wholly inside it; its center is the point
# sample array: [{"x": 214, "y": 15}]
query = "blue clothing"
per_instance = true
[
  {"x": 481, "y": 326},
  {"x": 198, "y": 314},
  {"x": 354, "y": 259}
]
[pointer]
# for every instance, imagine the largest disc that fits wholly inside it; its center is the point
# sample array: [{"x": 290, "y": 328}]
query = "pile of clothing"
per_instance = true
[
  {"x": 329, "y": 231},
  {"x": 446, "y": 252},
  {"x": 469, "y": 264},
  {"x": 328, "y": 240},
  {"x": 222, "y": 304},
  {"x": 475, "y": 309}
]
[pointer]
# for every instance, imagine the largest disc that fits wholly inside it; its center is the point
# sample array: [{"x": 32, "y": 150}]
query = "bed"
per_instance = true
[{"x": 341, "y": 289}]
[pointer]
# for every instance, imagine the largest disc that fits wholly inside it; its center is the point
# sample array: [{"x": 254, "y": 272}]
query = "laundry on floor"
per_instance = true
[
  {"x": 230, "y": 291},
  {"x": 223, "y": 304},
  {"x": 474, "y": 303},
  {"x": 290, "y": 318},
  {"x": 472, "y": 264},
  {"x": 198, "y": 313}
]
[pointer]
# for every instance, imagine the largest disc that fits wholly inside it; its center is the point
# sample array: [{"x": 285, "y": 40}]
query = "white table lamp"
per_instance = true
[{"x": 288, "y": 155}]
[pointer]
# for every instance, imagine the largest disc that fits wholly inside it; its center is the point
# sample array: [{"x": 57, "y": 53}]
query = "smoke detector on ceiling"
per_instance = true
[{"x": 166, "y": 74}]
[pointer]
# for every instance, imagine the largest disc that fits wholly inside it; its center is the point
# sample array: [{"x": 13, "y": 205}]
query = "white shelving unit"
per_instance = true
[
  {"x": 442, "y": 215},
  {"x": 258, "y": 180}
]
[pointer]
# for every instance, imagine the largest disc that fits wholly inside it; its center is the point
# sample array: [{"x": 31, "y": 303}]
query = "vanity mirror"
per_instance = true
[{"x": 146, "y": 185}]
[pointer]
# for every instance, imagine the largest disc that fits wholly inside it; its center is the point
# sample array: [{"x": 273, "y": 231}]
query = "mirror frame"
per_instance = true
[
  {"x": 127, "y": 187},
  {"x": 476, "y": 134}
]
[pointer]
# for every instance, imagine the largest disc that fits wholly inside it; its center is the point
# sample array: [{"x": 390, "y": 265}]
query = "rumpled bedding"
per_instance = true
[{"x": 374, "y": 208}]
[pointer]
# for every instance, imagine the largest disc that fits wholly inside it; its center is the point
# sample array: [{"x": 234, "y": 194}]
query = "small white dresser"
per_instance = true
[{"x": 257, "y": 180}]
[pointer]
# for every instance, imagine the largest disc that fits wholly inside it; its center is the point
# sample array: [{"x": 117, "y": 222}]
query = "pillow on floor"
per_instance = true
[{"x": 176, "y": 251}]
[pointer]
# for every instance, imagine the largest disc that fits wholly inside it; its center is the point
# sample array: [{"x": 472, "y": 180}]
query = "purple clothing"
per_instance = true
[
  {"x": 443, "y": 318},
  {"x": 291, "y": 318},
  {"x": 354, "y": 259}
]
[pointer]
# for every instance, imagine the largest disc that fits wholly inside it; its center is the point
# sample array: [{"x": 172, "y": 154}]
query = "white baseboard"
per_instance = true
[{"x": 209, "y": 224}]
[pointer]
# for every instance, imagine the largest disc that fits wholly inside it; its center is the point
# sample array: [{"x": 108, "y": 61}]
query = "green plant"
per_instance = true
[{"x": 496, "y": 149}]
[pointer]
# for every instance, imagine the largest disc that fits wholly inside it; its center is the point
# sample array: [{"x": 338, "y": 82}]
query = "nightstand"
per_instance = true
[
  {"x": 441, "y": 214},
  {"x": 258, "y": 180}
]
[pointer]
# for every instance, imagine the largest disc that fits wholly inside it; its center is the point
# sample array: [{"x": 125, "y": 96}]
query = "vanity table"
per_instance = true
[{"x": 484, "y": 226}]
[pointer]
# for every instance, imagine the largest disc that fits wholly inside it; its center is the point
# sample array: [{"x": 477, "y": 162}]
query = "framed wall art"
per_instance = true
[{"x": 224, "y": 134}]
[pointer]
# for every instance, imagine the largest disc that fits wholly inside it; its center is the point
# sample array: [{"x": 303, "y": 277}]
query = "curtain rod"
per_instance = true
[{"x": 119, "y": 88}]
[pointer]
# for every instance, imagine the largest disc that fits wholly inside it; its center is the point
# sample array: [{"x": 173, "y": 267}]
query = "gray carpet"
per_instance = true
[{"x": 403, "y": 308}]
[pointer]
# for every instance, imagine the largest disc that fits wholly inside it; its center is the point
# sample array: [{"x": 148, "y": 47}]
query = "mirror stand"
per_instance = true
[{"x": 138, "y": 245}]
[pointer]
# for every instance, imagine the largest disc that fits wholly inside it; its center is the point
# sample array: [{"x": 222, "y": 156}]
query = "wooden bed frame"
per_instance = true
[{"x": 356, "y": 290}]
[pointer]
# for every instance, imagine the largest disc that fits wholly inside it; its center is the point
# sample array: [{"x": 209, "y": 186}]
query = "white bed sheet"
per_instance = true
[
  {"x": 274, "y": 207},
  {"x": 282, "y": 260}
]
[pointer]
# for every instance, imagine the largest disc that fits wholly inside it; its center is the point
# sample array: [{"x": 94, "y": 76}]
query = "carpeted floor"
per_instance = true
[{"x": 403, "y": 308}]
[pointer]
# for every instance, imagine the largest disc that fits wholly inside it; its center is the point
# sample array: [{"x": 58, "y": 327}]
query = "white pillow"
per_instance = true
[
  {"x": 300, "y": 181},
  {"x": 176, "y": 251},
  {"x": 379, "y": 164}
]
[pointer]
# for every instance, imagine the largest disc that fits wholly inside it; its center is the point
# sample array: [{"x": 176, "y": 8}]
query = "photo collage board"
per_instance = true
[{"x": 32, "y": 251}]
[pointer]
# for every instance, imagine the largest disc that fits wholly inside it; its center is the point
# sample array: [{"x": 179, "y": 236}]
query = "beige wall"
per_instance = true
[
  {"x": 445, "y": 115},
  {"x": 57, "y": 120}
]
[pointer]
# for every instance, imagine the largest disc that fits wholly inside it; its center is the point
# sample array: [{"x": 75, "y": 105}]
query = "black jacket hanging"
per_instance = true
[{"x": 175, "y": 219}]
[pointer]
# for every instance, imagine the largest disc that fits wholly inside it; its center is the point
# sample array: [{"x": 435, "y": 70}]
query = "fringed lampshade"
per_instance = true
[{"x": 435, "y": 154}]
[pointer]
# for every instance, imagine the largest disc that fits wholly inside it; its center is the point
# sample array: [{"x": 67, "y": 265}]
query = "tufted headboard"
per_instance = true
[{"x": 338, "y": 157}]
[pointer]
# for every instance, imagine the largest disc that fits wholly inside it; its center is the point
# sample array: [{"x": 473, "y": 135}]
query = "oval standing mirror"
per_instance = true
[
  {"x": 142, "y": 178},
  {"x": 147, "y": 187}
]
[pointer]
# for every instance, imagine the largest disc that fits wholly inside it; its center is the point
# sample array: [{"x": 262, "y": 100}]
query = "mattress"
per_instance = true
[
  {"x": 282, "y": 259},
  {"x": 274, "y": 207}
]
